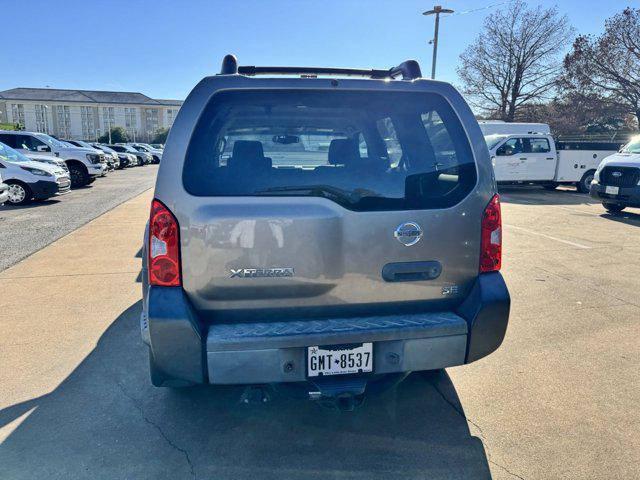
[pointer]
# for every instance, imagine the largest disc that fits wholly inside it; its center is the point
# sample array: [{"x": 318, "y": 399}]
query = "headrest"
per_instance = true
[
  {"x": 343, "y": 151},
  {"x": 247, "y": 149},
  {"x": 248, "y": 153}
]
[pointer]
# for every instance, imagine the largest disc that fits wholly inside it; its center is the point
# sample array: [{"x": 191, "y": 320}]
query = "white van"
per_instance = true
[
  {"x": 536, "y": 158},
  {"x": 84, "y": 164}
]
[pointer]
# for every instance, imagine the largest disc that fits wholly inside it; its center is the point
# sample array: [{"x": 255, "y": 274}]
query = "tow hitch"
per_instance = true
[{"x": 340, "y": 394}]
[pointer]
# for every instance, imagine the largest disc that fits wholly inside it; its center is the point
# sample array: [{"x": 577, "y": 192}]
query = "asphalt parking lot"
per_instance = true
[
  {"x": 559, "y": 399},
  {"x": 27, "y": 228}
]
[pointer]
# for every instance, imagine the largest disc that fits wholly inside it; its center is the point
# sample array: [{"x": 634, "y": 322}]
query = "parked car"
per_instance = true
[
  {"x": 143, "y": 147},
  {"x": 4, "y": 191},
  {"x": 157, "y": 146},
  {"x": 84, "y": 164},
  {"x": 616, "y": 183},
  {"x": 28, "y": 180},
  {"x": 269, "y": 258},
  {"x": 142, "y": 158},
  {"x": 535, "y": 158},
  {"x": 124, "y": 159},
  {"x": 113, "y": 162}
]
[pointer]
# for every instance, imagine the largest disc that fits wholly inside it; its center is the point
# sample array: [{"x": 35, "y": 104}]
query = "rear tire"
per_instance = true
[
  {"x": 19, "y": 193},
  {"x": 613, "y": 207},
  {"x": 585, "y": 182},
  {"x": 79, "y": 176}
]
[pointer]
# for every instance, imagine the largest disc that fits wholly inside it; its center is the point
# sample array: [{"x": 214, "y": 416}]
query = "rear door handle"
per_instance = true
[
  {"x": 411, "y": 271},
  {"x": 523, "y": 158}
]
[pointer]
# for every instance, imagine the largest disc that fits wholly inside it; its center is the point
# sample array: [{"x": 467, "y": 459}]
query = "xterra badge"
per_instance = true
[{"x": 262, "y": 272}]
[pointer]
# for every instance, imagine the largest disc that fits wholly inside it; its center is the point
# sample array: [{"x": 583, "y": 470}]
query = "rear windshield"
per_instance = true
[{"x": 363, "y": 150}]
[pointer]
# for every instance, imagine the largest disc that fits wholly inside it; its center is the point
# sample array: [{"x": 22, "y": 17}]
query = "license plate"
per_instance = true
[
  {"x": 611, "y": 190},
  {"x": 339, "y": 359}
]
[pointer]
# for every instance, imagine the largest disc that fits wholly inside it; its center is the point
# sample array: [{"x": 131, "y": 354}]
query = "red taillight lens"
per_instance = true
[
  {"x": 491, "y": 238},
  {"x": 164, "y": 247}
]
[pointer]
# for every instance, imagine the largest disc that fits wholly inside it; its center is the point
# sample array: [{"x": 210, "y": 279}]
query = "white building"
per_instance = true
[{"x": 86, "y": 114}]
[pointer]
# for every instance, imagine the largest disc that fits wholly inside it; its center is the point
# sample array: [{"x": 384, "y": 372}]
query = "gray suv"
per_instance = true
[{"x": 323, "y": 231}]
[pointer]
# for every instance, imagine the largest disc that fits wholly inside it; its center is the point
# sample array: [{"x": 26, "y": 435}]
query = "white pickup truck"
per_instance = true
[{"x": 522, "y": 158}]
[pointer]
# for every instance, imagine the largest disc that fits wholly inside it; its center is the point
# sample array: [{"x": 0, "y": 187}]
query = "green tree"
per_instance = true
[
  {"x": 118, "y": 135},
  {"x": 160, "y": 136}
]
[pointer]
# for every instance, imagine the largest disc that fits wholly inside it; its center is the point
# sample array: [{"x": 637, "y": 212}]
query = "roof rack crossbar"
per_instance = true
[{"x": 409, "y": 70}]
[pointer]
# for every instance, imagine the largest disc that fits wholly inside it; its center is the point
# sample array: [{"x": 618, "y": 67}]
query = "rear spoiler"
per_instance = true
[{"x": 409, "y": 70}]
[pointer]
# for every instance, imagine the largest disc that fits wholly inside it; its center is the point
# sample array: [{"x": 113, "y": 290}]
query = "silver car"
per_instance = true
[
  {"x": 4, "y": 191},
  {"x": 30, "y": 180},
  {"x": 331, "y": 233}
]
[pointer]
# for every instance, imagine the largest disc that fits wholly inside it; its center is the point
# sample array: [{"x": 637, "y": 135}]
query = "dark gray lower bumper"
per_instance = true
[
  {"x": 268, "y": 352},
  {"x": 628, "y": 197},
  {"x": 43, "y": 189}
]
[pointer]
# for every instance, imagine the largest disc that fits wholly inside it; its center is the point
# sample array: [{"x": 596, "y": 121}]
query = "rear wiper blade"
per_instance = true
[{"x": 323, "y": 190}]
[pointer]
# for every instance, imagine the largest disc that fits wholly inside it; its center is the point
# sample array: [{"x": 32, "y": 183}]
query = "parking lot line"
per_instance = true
[{"x": 531, "y": 232}]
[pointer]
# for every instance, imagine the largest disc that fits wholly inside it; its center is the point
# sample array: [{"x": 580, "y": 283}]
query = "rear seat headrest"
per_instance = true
[
  {"x": 248, "y": 153},
  {"x": 343, "y": 151}
]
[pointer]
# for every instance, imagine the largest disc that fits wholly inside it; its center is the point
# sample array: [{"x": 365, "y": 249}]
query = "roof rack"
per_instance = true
[{"x": 409, "y": 70}]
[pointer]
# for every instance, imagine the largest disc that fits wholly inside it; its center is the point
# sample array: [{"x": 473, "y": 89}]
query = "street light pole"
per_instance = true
[{"x": 437, "y": 10}]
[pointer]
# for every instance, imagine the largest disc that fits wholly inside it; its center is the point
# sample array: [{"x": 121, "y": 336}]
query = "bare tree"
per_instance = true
[
  {"x": 515, "y": 60},
  {"x": 608, "y": 66}
]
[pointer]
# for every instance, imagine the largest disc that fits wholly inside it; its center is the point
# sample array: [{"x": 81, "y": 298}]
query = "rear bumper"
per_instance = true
[
  {"x": 185, "y": 349},
  {"x": 629, "y": 196}
]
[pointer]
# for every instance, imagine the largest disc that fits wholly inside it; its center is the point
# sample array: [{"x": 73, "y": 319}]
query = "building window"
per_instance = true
[
  {"x": 151, "y": 120},
  {"x": 63, "y": 115},
  {"x": 108, "y": 118},
  {"x": 171, "y": 116},
  {"x": 17, "y": 112},
  {"x": 42, "y": 119},
  {"x": 130, "y": 121},
  {"x": 88, "y": 116}
]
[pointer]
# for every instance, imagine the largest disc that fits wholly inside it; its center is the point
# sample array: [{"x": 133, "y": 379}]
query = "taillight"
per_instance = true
[
  {"x": 491, "y": 238},
  {"x": 164, "y": 247}
]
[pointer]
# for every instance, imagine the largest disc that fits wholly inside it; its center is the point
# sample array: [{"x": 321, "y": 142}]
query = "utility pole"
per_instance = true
[{"x": 437, "y": 10}]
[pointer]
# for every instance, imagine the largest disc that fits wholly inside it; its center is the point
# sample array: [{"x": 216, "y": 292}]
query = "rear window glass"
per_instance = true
[{"x": 363, "y": 150}]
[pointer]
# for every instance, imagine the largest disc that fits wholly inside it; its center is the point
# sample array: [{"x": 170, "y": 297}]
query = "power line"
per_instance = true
[{"x": 479, "y": 9}]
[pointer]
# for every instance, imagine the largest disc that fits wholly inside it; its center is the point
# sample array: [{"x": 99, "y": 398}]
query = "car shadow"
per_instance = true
[
  {"x": 626, "y": 217},
  {"x": 105, "y": 420},
  {"x": 536, "y": 195},
  {"x": 33, "y": 204}
]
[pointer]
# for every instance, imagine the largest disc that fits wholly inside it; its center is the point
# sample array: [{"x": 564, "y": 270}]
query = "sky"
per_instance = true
[{"x": 163, "y": 48}]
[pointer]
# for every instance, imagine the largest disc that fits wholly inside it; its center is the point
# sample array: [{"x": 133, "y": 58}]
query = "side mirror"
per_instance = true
[{"x": 43, "y": 148}]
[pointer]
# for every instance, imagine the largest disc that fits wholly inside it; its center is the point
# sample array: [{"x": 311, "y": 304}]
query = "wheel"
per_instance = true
[
  {"x": 140, "y": 162},
  {"x": 156, "y": 160},
  {"x": 19, "y": 193},
  {"x": 613, "y": 207},
  {"x": 550, "y": 186},
  {"x": 79, "y": 176},
  {"x": 585, "y": 182}
]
